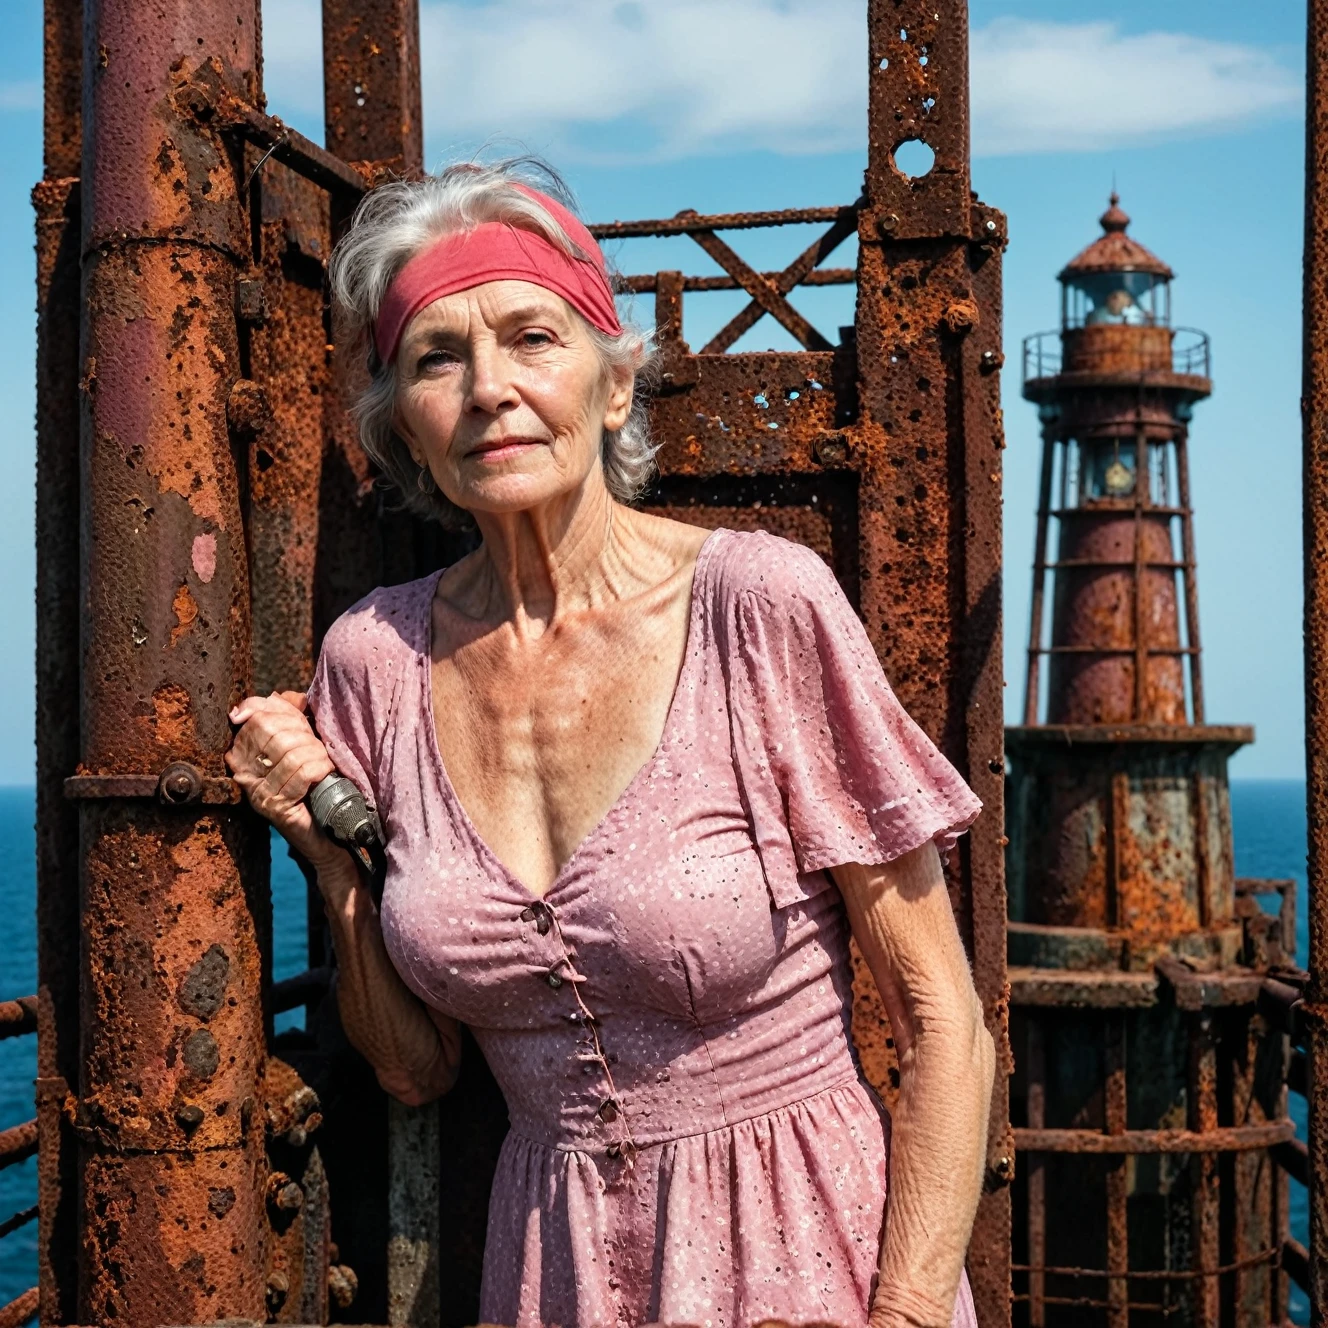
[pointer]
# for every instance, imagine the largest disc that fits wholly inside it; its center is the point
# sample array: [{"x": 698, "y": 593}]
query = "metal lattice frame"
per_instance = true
[{"x": 214, "y": 538}]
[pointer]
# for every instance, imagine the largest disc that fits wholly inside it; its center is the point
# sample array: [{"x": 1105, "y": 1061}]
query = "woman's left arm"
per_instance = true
[{"x": 902, "y": 920}]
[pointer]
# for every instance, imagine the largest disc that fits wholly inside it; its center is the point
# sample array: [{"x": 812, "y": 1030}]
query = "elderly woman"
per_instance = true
[{"x": 639, "y": 782}]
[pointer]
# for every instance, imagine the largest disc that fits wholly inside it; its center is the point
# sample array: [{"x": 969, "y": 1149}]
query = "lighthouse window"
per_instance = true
[
  {"x": 1108, "y": 468},
  {"x": 1135, "y": 299}
]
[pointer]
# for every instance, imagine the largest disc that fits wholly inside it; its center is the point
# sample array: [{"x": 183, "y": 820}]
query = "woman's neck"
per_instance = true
[{"x": 537, "y": 565}]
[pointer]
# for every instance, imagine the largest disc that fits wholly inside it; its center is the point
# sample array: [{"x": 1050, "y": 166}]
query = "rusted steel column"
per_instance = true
[
  {"x": 930, "y": 470},
  {"x": 1314, "y": 403},
  {"x": 1201, "y": 1091},
  {"x": 174, "y": 898},
  {"x": 1035, "y": 613},
  {"x": 279, "y": 413},
  {"x": 56, "y": 200},
  {"x": 371, "y": 98},
  {"x": 1035, "y": 1169},
  {"x": 413, "y": 1254},
  {"x": 371, "y": 82},
  {"x": 1115, "y": 1111}
]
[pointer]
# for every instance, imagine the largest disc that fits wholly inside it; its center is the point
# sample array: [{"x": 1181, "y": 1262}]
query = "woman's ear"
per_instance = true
[{"x": 622, "y": 390}]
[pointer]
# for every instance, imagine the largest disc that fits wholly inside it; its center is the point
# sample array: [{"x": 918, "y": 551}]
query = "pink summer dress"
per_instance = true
[{"x": 692, "y": 1141}]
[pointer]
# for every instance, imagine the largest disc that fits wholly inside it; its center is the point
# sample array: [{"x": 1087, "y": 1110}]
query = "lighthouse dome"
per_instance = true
[{"x": 1116, "y": 280}]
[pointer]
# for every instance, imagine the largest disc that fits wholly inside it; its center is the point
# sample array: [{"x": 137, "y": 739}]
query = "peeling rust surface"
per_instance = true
[
  {"x": 371, "y": 81},
  {"x": 174, "y": 901},
  {"x": 58, "y": 205},
  {"x": 284, "y": 428}
]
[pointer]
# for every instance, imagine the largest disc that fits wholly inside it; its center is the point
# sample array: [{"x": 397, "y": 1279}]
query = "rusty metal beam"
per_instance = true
[
  {"x": 18, "y": 1143},
  {"x": 57, "y": 203},
  {"x": 174, "y": 898},
  {"x": 371, "y": 83},
  {"x": 1118, "y": 1224},
  {"x": 1035, "y": 1171},
  {"x": 286, "y": 146},
  {"x": 692, "y": 223},
  {"x": 21, "y": 1310},
  {"x": 1314, "y": 404},
  {"x": 414, "y": 1259},
  {"x": 1201, "y": 1110},
  {"x": 18, "y": 1017},
  {"x": 928, "y": 347},
  {"x": 1227, "y": 1139},
  {"x": 648, "y": 283}
]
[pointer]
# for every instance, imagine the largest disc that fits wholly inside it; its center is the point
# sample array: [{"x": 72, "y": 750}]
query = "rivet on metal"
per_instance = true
[{"x": 181, "y": 783}]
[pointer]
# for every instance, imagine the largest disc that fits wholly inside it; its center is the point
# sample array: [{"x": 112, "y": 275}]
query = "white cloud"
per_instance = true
[
  {"x": 626, "y": 80},
  {"x": 1046, "y": 87}
]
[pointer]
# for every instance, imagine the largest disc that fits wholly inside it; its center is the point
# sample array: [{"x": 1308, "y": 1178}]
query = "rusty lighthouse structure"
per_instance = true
[{"x": 1148, "y": 1096}]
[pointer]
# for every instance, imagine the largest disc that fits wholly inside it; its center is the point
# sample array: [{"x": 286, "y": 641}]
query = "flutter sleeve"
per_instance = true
[
  {"x": 833, "y": 769},
  {"x": 354, "y": 690}
]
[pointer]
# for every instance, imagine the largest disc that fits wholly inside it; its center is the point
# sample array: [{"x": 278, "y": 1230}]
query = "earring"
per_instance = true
[{"x": 424, "y": 481}]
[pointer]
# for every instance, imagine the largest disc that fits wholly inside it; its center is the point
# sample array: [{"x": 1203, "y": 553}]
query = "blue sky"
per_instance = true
[{"x": 1193, "y": 107}]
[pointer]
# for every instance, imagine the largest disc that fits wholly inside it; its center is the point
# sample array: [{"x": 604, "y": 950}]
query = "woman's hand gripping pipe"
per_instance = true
[{"x": 278, "y": 762}]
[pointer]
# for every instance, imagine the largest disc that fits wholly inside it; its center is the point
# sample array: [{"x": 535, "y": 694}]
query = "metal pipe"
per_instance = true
[
  {"x": 1041, "y": 561},
  {"x": 1118, "y": 1225},
  {"x": 174, "y": 898},
  {"x": 1190, "y": 575},
  {"x": 690, "y": 223},
  {"x": 18, "y": 1017}
]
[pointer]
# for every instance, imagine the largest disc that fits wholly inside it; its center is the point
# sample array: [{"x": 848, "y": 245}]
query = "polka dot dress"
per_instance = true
[{"x": 692, "y": 1140}]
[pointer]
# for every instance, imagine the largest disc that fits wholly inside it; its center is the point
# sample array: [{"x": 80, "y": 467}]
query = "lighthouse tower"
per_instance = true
[{"x": 1136, "y": 957}]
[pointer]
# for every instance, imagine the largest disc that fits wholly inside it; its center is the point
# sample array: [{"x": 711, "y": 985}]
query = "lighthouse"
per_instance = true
[{"x": 1147, "y": 1111}]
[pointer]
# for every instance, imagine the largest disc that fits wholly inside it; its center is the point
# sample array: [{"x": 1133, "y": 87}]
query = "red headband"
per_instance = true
[{"x": 497, "y": 251}]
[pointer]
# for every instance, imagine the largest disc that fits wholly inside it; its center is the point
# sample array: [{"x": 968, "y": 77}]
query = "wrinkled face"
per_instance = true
[{"x": 503, "y": 396}]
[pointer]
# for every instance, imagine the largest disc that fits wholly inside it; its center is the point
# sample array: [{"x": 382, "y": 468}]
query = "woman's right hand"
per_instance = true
[{"x": 276, "y": 758}]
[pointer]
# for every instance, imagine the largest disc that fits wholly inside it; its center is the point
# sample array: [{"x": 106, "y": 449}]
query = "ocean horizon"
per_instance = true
[{"x": 1270, "y": 838}]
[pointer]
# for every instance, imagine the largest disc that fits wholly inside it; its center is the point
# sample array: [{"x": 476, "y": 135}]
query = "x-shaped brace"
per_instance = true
[{"x": 768, "y": 296}]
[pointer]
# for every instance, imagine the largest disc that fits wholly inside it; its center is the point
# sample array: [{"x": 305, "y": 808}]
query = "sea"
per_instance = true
[{"x": 1268, "y": 815}]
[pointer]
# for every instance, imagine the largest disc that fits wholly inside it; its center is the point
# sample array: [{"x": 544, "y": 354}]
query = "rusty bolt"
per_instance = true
[
  {"x": 181, "y": 783},
  {"x": 887, "y": 223},
  {"x": 189, "y": 1117},
  {"x": 961, "y": 316},
  {"x": 992, "y": 360},
  {"x": 1000, "y": 1173},
  {"x": 278, "y": 1288},
  {"x": 247, "y": 409},
  {"x": 831, "y": 450},
  {"x": 302, "y": 1102},
  {"x": 342, "y": 1284},
  {"x": 284, "y": 1194},
  {"x": 250, "y": 300}
]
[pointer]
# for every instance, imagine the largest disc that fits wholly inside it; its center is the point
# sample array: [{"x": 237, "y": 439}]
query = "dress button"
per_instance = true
[
  {"x": 539, "y": 914},
  {"x": 553, "y": 979},
  {"x": 608, "y": 1111}
]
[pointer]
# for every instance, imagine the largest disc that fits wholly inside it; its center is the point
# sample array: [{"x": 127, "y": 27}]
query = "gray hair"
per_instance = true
[{"x": 393, "y": 223}]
